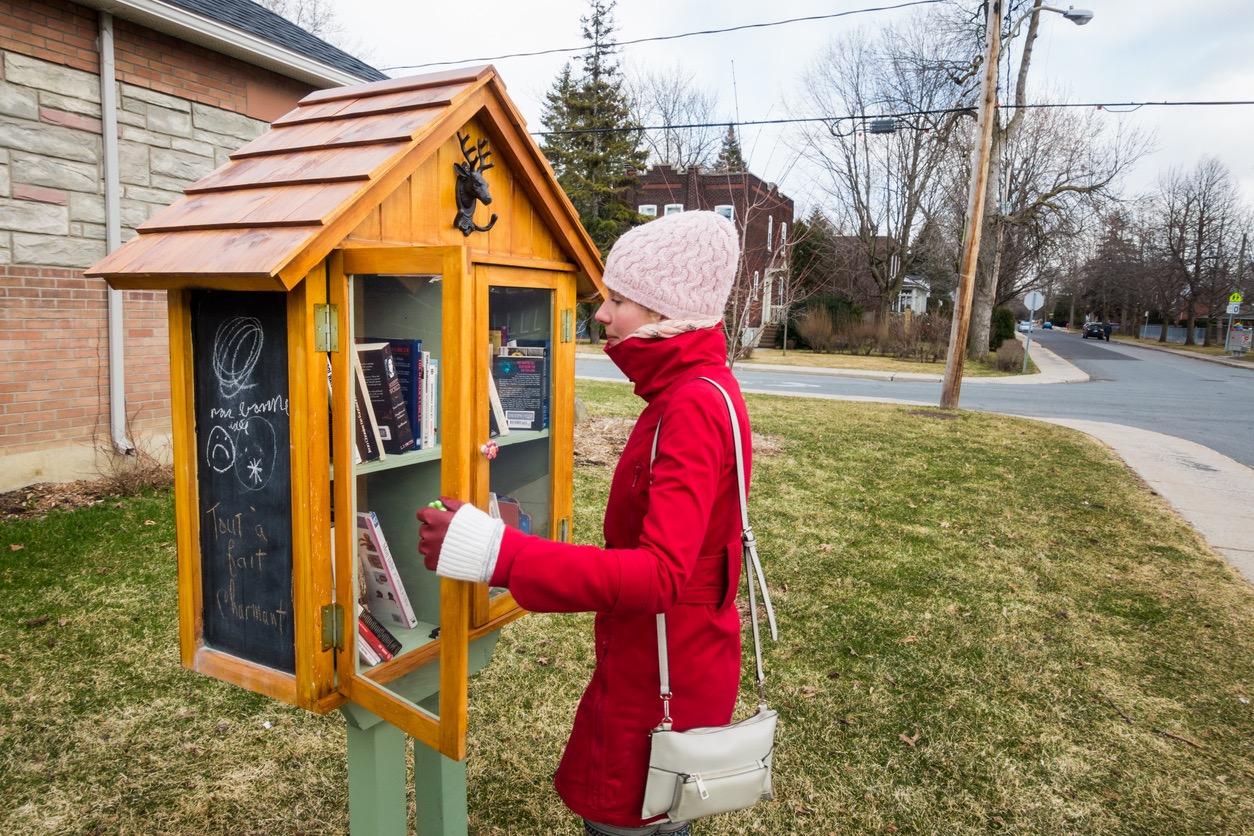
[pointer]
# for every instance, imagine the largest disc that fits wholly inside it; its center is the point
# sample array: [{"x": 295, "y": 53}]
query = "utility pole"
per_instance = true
[{"x": 975, "y": 209}]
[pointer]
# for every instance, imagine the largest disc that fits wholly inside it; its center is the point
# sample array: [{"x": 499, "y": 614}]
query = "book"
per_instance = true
[
  {"x": 406, "y": 356},
  {"x": 369, "y": 444},
  {"x": 372, "y": 641},
  {"x": 510, "y": 511},
  {"x": 331, "y": 417},
  {"x": 537, "y": 348},
  {"x": 386, "y": 399},
  {"x": 366, "y": 653},
  {"x": 390, "y": 642},
  {"x": 386, "y": 596},
  {"x": 520, "y": 382},
  {"x": 432, "y": 373},
  {"x": 497, "y": 425}
]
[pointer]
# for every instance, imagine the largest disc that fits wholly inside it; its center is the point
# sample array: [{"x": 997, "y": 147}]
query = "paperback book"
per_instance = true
[
  {"x": 383, "y": 387},
  {"x": 385, "y": 592}
]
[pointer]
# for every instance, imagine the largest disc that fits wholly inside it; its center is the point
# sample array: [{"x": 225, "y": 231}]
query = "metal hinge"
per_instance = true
[
  {"x": 563, "y": 530},
  {"x": 326, "y": 328},
  {"x": 332, "y": 627},
  {"x": 568, "y": 325}
]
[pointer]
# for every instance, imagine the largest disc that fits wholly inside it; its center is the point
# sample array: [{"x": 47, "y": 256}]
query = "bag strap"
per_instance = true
[{"x": 753, "y": 571}]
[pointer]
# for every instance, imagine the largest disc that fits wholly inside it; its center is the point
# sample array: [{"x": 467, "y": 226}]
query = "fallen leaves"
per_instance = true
[
  {"x": 16, "y": 547},
  {"x": 37, "y": 621},
  {"x": 909, "y": 740}
]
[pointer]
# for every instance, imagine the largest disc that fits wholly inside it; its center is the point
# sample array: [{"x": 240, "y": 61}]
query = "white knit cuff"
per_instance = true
[{"x": 471, "y": 546}]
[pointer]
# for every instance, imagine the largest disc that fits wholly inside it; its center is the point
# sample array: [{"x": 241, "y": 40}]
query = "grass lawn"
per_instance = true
[
  {"x": 987, "y": 624},
  {"x": 811, "y": 359},
  {"x": 1212, "y": 350}
]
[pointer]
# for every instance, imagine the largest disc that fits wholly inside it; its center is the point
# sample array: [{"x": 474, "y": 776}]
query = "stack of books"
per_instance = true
[
  {"x": 520, "y": 379},
  {"x": 397, "y": 397}
]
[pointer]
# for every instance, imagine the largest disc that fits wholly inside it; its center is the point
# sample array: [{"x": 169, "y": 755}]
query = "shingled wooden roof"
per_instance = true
[{"x": 288, "y": 197}]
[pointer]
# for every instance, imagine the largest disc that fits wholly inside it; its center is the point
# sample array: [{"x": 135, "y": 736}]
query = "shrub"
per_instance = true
[
  {"x": 816, "y": 329},
  {"x": 1003, "y": 328},
  {"x": 1009, "y": 356},
  {"x": 841, "y": 309}
]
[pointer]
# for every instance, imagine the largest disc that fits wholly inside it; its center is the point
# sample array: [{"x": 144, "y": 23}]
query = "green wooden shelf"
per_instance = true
[
  {"x": 431, "y": 454},
  {"x": 520, "y": 437}
]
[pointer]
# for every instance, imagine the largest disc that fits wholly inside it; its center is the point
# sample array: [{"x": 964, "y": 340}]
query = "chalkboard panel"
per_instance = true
[{"x": 244, "y": 475}]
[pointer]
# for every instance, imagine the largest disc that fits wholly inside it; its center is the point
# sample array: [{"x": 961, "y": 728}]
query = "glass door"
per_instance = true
[
  {"x": 525, "y": 320},
  {"x": 398, "y": 446}
]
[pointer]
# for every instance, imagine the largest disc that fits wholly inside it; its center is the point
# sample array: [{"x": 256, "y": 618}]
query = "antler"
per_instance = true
[
  {"x": 484, "y": 165},
  {"x": 473, "y": 162}
]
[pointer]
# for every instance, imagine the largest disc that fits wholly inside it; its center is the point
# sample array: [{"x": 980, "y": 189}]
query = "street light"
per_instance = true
[{"x": 975, "y": 192}]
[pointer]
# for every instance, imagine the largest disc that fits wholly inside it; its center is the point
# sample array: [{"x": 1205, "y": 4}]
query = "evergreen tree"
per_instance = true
[
  {"x": 730, "y": 157},
  {"x": 595, "y": 166}
]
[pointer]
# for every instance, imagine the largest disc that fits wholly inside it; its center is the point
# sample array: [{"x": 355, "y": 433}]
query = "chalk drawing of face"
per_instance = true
[
  {"x": 236, "y": 350},
  {"x": 255, "y": 450},
  {"x": 219, "y": 450}
]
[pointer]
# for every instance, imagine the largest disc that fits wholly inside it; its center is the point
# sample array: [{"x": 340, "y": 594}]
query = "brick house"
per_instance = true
[
  {"x": 762, "y": 214},
  {"x": 180, "y": 84}
]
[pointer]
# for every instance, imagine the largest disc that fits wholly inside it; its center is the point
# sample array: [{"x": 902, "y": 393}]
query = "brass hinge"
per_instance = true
[
  {"x": 563, "y": 530},
  {"x": 568, "y": 325},
  {"x": 326, "y": 328},
  {"x": 332, "y": 627}
]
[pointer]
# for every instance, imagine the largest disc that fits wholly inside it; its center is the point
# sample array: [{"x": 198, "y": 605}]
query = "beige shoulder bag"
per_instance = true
[{"x": 704, "y": 771}]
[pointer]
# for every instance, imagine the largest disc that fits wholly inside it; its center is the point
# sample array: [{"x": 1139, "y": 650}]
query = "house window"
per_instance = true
[
  {"x": 770, "y": 231},
  {"x": 783, "y": 234},
  {"x": 905, "y": 301},
  {"x": 649, "y": 210},
  {"x": 673, "y": 208},
  {"x": 725, "y": 209}
]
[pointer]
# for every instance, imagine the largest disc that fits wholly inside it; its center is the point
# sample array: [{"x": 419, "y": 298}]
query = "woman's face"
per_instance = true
[{"x": 621, "y": 317}]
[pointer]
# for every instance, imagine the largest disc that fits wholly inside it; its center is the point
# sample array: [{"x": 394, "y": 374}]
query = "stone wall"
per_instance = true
[{"x": 53, "y": 324}]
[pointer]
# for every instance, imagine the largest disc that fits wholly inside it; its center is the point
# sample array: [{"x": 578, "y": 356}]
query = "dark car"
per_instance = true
[{"x": 1094, "y": 329}]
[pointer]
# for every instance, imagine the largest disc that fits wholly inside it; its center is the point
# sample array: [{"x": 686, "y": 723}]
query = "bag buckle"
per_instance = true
[
  {"x": 748, "y": 538},
  {"x": 701, "y": 790},
  {"x": 665, "y": 725}
]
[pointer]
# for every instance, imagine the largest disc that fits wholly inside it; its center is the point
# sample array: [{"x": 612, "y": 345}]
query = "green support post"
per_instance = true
[
  {"x": 376, "y": 776},
  {"x": 439, "y": 793}
]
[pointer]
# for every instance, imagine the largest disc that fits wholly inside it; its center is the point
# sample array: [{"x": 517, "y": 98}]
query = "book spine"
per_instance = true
[
  {"x": 368, "y": 443},
  {"x": 366, "y": 653},
  {"x": 435, "y": 402},
  {"x": 384, "y": 388},
  {"x": 425, "y": 431},
  {"x": 383, "y": 634},
  {"x": 381, "y": 543},
  {"x": 372, "y": 641}
]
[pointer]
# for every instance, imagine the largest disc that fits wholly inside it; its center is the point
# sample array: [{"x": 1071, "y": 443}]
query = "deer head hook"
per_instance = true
[{"x": 472, "y": 188}]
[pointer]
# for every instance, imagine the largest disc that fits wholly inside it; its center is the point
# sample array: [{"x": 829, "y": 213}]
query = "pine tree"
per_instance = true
[
  {"x": 730, "y": 157},
  {"x": 595, "y": 166}
]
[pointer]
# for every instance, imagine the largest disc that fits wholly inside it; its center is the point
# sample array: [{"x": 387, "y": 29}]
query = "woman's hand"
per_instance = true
[{"x": 434, "y": 528}]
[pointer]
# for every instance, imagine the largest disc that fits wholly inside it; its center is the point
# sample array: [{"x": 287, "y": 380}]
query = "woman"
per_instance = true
[{"x": 672, "y": 525}]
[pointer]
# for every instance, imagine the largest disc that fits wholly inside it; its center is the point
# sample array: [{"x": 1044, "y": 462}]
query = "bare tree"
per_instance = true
[
  {"x": 317, "y": 17},
  {"x": 672, "y": 97},
  {"x": 880, "y": 187}
]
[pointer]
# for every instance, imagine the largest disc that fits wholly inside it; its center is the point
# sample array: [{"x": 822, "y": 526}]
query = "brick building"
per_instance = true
[
  {"x": 179, "y": 84},
  {"x": 762, "y": 214}
]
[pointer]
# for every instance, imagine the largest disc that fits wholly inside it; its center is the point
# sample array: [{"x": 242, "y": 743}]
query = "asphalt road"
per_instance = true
[{"x": 1207, "y": 403}]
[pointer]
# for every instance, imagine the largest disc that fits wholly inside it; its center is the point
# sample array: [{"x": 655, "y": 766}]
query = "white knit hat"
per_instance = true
[{"x": 680, "y": 265}]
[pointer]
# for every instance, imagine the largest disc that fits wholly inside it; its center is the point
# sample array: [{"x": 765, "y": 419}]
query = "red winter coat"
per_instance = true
[{"x": 672, "y": 545}]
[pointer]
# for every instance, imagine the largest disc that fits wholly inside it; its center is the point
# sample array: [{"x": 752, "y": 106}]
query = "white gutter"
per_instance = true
[
  {"x": 113, "y": 235},
  {"x": 228, "y": 40}
]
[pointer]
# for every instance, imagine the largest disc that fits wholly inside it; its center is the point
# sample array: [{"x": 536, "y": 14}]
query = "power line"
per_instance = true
[
  {"x": 654, "y": 38},
  {"x": 901, "y": 115}
]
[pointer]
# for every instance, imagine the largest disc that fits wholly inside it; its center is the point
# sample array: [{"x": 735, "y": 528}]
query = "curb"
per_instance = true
[{"x": 1222, "y": 361}]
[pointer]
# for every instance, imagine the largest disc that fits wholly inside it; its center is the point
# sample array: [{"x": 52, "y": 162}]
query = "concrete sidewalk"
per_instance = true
[
  {"x": 1214, "y": 493},
  {"x": 1052, "y": 369},
  {"x": 1193, "y": 355}
]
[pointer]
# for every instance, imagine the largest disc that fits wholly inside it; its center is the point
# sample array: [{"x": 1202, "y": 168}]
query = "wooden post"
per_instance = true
[{"x": 975, "y": 210}]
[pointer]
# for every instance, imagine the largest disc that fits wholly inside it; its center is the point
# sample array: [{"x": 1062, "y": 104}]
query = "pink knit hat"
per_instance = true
[{"x": 680, "y": 265}]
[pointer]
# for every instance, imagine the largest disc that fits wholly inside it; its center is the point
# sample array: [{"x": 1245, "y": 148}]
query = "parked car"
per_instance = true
[
  {"x": 1094, "y": 329},
  {"x": 1025, "y": 325},
  {"x": 1048, "y": 326}
]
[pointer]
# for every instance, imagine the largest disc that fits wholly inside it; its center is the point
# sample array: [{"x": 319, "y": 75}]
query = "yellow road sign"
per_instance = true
[{"x": 1236, "y": 298}]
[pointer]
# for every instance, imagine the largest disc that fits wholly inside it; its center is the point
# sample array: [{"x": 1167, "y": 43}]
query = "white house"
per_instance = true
[{"x": 915, "y": 291}]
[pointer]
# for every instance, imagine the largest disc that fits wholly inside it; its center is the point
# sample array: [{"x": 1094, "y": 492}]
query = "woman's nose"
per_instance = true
[{"x": 602, "y": 315}]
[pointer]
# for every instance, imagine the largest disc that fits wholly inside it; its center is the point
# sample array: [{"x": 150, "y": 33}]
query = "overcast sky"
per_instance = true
[{"x": 1132, "y": 50}]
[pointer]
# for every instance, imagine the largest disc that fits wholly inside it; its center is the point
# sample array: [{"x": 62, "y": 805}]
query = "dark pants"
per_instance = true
[{"x": 670, "y": 828}]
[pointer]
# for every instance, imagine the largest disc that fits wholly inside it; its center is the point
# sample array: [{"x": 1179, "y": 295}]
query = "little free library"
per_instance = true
[{"x": 371, "y": 305}]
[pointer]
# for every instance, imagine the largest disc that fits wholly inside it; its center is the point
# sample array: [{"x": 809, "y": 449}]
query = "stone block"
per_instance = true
[
  {"x": 133, "y": 106},
  {"x": 133, "y": 162},
  {"x": 135, "y": 120},
  {"x": 179, "y": 164},
  {"x": 55, "y": 173},
  {"x": 146, "y": 137},
  {"x": 153, "y": 97},
  {"x": 135, "y": 212},
  {"x": 170, "y": 184},
  {"x": 5, "y": 182},
  {"x": 221, "y": 156},
  {"x": 127, "y": 234},
  {"x": 73, "y": 105},
  {"x": 65, "y": 118},
  {"x": 49, "y": 140},
  {"x": 43, "y": 194},
  {"x": 225, "y": 122},
  {"x": 32, "y": 216},
  {"x": 87, "y": 207},
  {"x": 56, "y": 250},
  {"x": 16, "y": 101},
  {"x": 43, "y": 75},
  {"x": 192, "y": 146},
  {"x": 171, "y": 122},
  {"x": 158, "y": 196},
  {"x": 94, "y": 231}
]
